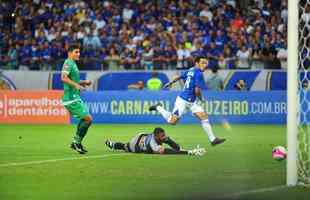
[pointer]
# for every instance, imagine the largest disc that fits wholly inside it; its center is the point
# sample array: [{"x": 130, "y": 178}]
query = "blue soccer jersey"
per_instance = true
[{"x": 192, "y": 78}]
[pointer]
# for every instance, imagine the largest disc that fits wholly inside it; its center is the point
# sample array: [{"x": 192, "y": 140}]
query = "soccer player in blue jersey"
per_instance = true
[
  {"x": 153, "y": 143},
  {"x": 189, "y": 99}
]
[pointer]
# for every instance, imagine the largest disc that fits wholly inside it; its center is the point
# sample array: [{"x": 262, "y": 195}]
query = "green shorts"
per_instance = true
[{"x": 77, "y": 109}]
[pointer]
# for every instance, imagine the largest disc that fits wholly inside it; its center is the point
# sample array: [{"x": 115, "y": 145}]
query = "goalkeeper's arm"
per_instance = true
[
  {"x": 193, "y": 152},
  {"x": 175, "y": 148},
  {"x": 173, "y": 151},
  {"x": 172, "y": 144}
]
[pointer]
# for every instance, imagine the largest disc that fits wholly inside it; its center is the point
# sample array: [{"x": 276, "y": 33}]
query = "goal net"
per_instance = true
[{"x": 303, "y": 77}]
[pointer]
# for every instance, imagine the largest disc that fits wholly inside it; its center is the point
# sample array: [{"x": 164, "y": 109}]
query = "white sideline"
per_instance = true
[
  {"x": 255, "y": 191},
  {"x": 60, "y": 159}
]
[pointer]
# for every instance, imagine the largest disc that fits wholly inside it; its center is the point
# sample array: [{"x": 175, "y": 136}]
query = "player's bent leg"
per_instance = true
[
  {"x": 203, "y": 117},
  {"x": 164, "y": 113}
]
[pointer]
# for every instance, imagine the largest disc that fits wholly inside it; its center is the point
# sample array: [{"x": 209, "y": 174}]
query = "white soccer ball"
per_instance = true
[{"x": 279, "y": 153}]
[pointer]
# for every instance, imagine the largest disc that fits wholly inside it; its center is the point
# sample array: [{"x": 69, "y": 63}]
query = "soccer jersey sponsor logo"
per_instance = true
[{"x": 65, "y": 67}]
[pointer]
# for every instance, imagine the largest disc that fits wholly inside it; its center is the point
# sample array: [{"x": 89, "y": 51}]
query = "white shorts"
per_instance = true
[{"x": 181, "y": 106}]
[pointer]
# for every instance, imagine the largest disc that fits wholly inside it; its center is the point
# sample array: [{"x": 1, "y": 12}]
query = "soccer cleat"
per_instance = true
[
  {"x": 154, "y": 107},
  {"x": 110, "y": 144},
  {"x": 217, "y": 141},
  {"x": 78, "y": 147},
  {"x": 83, "y": 148}
]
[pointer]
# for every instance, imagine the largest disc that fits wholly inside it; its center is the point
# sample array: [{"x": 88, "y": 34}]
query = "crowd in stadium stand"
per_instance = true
[{"x": 144, "y": 34}]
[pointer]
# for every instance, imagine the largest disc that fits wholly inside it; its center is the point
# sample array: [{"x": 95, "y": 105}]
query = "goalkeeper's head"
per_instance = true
[{"x": 159, "y": 134}]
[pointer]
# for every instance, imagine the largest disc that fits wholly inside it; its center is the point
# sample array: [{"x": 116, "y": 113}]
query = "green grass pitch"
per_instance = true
[{"x": 36, "y": 163}]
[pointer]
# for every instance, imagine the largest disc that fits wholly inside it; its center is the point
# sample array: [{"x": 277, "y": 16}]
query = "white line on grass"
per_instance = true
[
  {"x": 255, "y": 191},
  {"x": 60, "y": 159}
]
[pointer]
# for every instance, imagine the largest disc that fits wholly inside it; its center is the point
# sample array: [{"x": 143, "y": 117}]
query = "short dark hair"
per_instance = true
[
  {"x": 158, "y": 130},
  {"x": 73, "y": 46},
  {"x": 197, "y": 58}
]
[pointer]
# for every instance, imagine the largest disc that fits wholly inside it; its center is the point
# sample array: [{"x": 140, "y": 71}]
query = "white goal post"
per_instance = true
[
  {"x": 298, "y": 93},
  {"x": 292, "y": 91}
]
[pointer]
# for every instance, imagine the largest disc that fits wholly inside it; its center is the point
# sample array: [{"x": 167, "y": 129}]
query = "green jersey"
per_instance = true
[{"x": 71, "y": 94}]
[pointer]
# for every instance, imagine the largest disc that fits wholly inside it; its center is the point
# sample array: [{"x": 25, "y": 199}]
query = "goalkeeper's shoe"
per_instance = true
[
  {"x": 217, "y": 141},
  {"x": 154, "y": 107},
  {"x": 110, "y": 144},
  {"x": 78, "y": 147},
  {"x": 197, "y": 151}
]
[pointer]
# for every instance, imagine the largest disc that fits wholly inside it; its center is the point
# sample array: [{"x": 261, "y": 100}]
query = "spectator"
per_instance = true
[
  {"x": 159, "y": 60},
  {"x": 131, "y": 59},
  {"x": 127, "y": 13},
  {"x": 206, "y": 12},
  {"x": 237, "y": 23},
  {"x": 91, "y": 41},
  {"x": 215, "y": 81},
  {"x": 171, "y": 57},
  {"x": 111, "y": 23},
  {"x": 147, "y": 58},
  {"x": 269, "y": 57},
  {"x": 213, "y": 55},
  {"x": 154, "y": 83},
  {"x": 113, "y": 59},
  {"x": 282, "y": 55},
  {"x": 256, "y": 61},
  {"x": 11, "y": 57},
  {"x": 243, "y": 56},
  {"x": 184, "y": 57}
]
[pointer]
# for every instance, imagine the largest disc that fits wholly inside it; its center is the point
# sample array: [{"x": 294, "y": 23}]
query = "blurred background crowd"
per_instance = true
[{"x": 144, "y": 34}]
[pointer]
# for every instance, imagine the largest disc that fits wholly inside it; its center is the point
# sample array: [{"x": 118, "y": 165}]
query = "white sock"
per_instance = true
[
  {"x": 208, "y": 129},
  {"x": 164, "y": 113}
]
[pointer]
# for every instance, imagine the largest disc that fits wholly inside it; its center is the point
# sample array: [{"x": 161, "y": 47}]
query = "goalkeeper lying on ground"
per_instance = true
[{"x": 152, "y": 143}]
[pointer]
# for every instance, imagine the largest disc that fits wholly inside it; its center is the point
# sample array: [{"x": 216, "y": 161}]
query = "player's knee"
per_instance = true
[
  {"x": 88, "y": 119},
  {"x": 172, "y": 123},
  {"x": 173, "y": 120}
]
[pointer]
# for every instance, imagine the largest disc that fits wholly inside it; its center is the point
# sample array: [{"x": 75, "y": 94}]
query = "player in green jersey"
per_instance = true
[{"x": 71, "y": 99}]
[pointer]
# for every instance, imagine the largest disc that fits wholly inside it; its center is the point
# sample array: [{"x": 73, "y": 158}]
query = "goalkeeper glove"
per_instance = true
[{"x": 197, "y": 151}]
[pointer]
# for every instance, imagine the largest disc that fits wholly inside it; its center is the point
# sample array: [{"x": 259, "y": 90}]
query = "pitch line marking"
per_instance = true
[
  {"x": 60, "y": 159},
  {"x": 238, "y": 194}
]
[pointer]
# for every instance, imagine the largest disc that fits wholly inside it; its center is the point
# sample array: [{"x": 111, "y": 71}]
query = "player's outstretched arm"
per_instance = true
[
  {"x": 194, "y": 152},
  {"x": 173, "y": 151},
  {"x": 169, "y": 84},
  {"x": 172, "y": 144}
]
